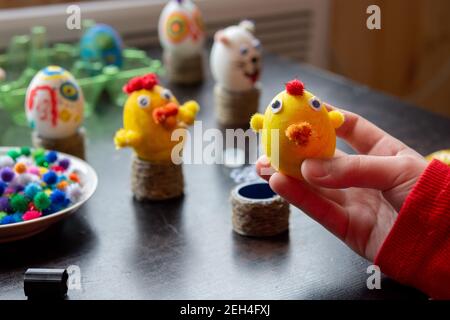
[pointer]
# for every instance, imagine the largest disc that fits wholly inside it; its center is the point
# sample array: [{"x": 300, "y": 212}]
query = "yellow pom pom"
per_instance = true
[
  {"x": 256, "y": 122},
  {"x": 192, "y": 106},
  {"x": 336, "y": 118}
]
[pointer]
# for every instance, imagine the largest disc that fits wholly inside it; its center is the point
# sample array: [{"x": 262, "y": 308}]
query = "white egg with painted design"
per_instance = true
[{"x": 54, "y": 103}]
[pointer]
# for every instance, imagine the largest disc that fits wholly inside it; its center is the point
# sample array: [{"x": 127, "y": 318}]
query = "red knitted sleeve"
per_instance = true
[{"x": 417, "y": 250}]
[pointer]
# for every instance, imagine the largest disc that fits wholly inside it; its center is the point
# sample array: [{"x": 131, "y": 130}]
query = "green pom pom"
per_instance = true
[
  {"x": 2, "y": 215},
  {"x": 38, "y": 153},
  {"x": 41, "y": 161},
  {"x": 41, "y": 201},
  {"x": 19, "y": 203},
  {"x": 25, "y": 151},
  {"x": 14, "y": 154}
]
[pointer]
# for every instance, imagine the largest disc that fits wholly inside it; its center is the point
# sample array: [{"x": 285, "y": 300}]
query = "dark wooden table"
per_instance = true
[{"x": 186, "y": 249}]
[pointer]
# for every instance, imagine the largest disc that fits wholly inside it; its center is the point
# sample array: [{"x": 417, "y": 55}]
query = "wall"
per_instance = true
[{"x": 410, "y": 55}]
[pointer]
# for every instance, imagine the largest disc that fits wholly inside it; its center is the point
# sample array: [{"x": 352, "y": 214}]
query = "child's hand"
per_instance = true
[{"x": 356, "y": 197}]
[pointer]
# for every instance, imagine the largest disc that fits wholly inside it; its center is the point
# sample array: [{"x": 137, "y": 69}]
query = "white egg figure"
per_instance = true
[
  {"x": 54, "y": 103},
  {"x": 181, "y": 30},
  {"x": 236, "y": 57}
]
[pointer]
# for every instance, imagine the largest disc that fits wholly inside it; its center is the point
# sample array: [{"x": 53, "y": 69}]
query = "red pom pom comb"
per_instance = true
[
  {"x": 295, "y": 87},
  {"x": 144, "y": 82}
]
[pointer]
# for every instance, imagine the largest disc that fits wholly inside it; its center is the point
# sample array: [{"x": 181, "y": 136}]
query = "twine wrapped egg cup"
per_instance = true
[{"x": 258, "y": 211}]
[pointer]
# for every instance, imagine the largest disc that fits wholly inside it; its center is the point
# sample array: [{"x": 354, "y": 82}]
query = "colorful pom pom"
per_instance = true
[
  {"x": 62, "y": 185},
  {"x": 30, "y": 215},
  {"x": 58, "y": 197},
  {"x": 295, "y": 87},
  {"x": 50, "y": 178},
  {"x": 20, "y": 167},
  {"x": 39, "y": 152},
  {"x": 14, "y": 154},
  {"x": 34, "y": 170},
  {"x": 147, "y": 81},
  {"x": 29, "y": 189},
  {"x": 4, "y": 204},
  {"x": 17, "y": 217},
  {"x": 25, "y": 151},
  {"x": 74, "y": 177},
  {"x": 32, "y": 189},
  {"x": 7, "y": 174},
  {"x": 8, "y": 219},
  {"x": 19, "y": 203},
  {"x": 6, "y": 161},
  {"x": 65, "y": 163},
  {"x": 2, "y": 187},
  {"x": 41, "y": 201},
  {"x": 74, "y": 192},
  {"x": 51, "y": 156}
]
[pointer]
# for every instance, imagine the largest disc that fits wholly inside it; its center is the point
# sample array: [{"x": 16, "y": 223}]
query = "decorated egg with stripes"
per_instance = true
[{"x": 54, "y": 103}]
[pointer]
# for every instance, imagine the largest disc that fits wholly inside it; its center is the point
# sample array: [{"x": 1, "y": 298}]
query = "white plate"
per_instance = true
[{"x": 25, "y": 229}]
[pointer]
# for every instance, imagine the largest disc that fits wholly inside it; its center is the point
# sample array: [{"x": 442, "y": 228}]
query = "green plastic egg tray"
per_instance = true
[{"x": 21, "y": 62}]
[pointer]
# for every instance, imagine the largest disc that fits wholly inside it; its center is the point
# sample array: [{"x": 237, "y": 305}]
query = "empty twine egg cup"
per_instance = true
[{"x": 258, "y": 211}]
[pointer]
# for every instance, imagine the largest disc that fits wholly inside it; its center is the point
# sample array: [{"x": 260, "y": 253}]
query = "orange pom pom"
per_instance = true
[{"x": 20, "y": 167}]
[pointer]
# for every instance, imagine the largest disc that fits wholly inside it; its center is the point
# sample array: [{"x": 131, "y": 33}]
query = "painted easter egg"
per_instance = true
[
  {"x": 54, "y": 103},
  {"x": 181, "y": 29},
  {"x": 236, "y": 57},
  {"x": 102, "y": 43}
]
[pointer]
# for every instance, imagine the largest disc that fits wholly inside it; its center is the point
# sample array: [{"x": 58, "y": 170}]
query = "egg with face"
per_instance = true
[
  {"x": 54, "y": 103},
  {"x": 101, "y": 43},
  {"x": 295, "y": 126},
  {"x": 181, "y": 30},
  {"x": 236, "y": 57}
]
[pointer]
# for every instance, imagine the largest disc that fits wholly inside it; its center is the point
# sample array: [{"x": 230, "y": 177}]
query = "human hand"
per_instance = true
[{"x": 356, "y": 197}]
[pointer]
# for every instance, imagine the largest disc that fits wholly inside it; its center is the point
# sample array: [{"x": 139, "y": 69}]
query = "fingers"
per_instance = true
[
  {"x": 377, "y": 172},
  {"x": 326, "y": 212},
  {"x": 263, "y": 168},
  {"x": 365, "y": 137}
]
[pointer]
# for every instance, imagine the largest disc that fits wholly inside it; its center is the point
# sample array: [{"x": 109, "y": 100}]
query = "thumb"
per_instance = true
[{"x": 375, "y": 172}]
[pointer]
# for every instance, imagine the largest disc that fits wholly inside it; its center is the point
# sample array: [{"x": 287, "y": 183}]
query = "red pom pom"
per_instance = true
[
  {"x": 295, "y": 87},
  {"x": 30, "y": 215},
  {"x": 144, "y": 82}
]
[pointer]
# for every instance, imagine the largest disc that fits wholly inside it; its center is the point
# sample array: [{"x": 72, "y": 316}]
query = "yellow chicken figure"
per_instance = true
[
  {"x": 150, "y": 116},
  {"x": 296, "y": 126}
]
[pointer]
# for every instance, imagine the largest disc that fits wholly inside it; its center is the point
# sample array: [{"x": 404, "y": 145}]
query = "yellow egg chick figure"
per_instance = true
[
  {"x": 150, "y": 116},
  {"x": 306, "y": 129}
]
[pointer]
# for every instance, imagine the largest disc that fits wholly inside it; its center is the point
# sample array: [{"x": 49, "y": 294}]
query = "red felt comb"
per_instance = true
[
  {"x": 295, "y": 87},
  {"x": 143, "y": 82}
]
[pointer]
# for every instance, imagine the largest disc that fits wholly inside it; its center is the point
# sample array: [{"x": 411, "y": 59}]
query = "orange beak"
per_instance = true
[{"x": 161, "y": 114}]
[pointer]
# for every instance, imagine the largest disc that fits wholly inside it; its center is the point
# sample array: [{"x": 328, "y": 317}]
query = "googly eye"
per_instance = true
[
  {"x": 315, "y": 103},
  {"x": 244, "y": 50},
  {"x": 166, "y": 94},
  {"x": 276, "y": 106},
  {"x": 143, "y": 101}
]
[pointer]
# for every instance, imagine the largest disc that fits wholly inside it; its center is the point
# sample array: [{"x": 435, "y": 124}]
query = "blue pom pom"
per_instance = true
[
  {"x": 17, "y": 217},
  {"x": 50, "y": 177},
  {"x": 51, "y": 156},
  {"x": 58, "y": 197},
  {"x": 32, "y": 189},
  {"x": 8, "y": 219},
  {"x": 2, "y": 187}
]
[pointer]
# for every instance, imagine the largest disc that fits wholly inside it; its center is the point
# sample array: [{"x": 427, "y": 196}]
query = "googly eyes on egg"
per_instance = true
[
  {"x": 315, "y": 103},
  {"x": 243, "y": 50},
  {"x": 143, "y": 101},
  {"x": 166, "y": 94},
  {"x": 276, "y": 106}
]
